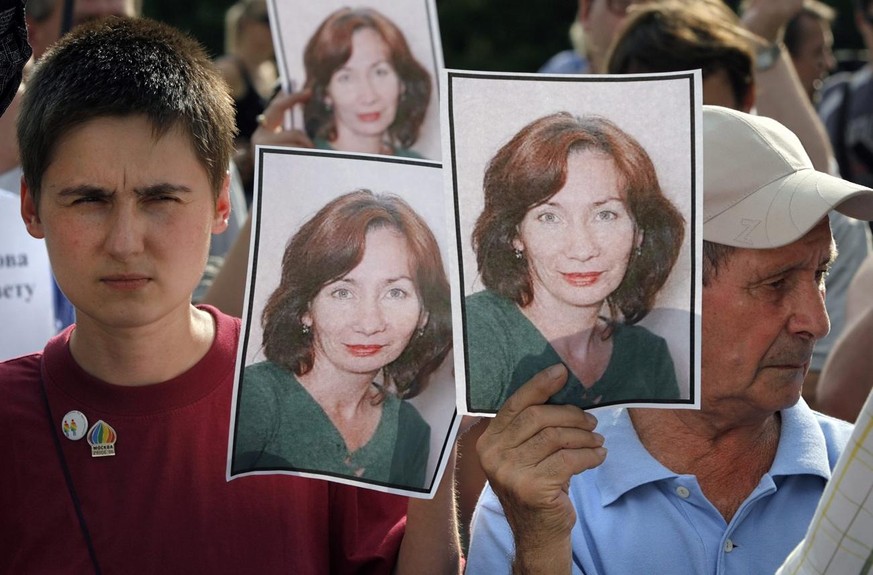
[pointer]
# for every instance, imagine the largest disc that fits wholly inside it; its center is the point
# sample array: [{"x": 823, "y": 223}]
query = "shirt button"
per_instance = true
[
  {"x": 728, "y": 546},
  {"x": 682, "y": 492}
]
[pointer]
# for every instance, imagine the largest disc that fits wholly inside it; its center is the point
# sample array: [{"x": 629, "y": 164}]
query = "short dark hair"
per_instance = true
[
  {"x": 715, "y": 257},
  {"x": 671, "y": 36},
  {"x": 331, "y": 47},
  {"x": 126, "y": 67},
  {"x": 532, "y": 167},
  {"x": 327, "y": 247}
]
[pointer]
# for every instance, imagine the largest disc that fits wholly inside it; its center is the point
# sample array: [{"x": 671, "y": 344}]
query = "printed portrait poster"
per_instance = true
[
  {"x": 371, "y": 66},
  {"x": 26, "y": 288},
  {"x": 578, "y": 235},
  {"x": 345, "y": 365}
]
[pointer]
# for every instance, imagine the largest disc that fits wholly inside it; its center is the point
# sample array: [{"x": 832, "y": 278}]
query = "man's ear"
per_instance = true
[
  {"x": 30, "y": 212},
  {"x": 222, "y": 207}
]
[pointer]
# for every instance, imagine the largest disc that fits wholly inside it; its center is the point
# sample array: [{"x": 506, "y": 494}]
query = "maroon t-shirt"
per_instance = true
[{"x": 161, "y": 503}]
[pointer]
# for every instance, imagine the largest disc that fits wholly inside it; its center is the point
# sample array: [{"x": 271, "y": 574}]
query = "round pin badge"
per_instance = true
[{"x": 74, "y": 425}]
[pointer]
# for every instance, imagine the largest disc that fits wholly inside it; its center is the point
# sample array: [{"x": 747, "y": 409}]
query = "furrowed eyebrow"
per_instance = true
[
  {"x": 161, "y": 189},
  {"x": 155, "y": 190},
  {"x": 84, "y": 190},
  {"x": 826, "y": 262}
]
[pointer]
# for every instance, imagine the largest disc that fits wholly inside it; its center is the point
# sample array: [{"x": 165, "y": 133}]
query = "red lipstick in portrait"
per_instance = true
[
  {"x": 582, "y": 279},
  {"x": 364, "y": 350}
]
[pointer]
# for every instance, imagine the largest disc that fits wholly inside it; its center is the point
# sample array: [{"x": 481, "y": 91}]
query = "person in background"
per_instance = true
[
  {"x": 573, "y": 60},
  {"x": 667, "y": 36},
  {"x": 87, "y": 10},
  {"x": 13, "y": 33},
  {"x": 846, "y": 378},
  {"x": 227, "y": 291},
  {"x": 45, "y": 18},
  {"x": 591, "y": 35},
  {"x": 125, "y": 132},
  {"x": 846, "y": 108},
  {"x": 733, "y": 486},
  {"x": 249, "y": 67},
  {"x": 43, "y": 24},
  {"x": 768, "y": 20},
  {"x": 858, "y": 295},
  {"x": 671, "y": 35},
  {"x": 26, "y": 283},
  {"x": 810, "y": 41},
  {"x": 29, "y": 334},
  {"x": 10, "y": 172},
  {"x": 780, "y": 94}
]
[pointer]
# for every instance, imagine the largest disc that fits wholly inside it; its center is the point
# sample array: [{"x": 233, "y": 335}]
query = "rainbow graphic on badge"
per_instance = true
[
  {"x": 101, "y": 438},
  {"x": 74, "y": 425}
]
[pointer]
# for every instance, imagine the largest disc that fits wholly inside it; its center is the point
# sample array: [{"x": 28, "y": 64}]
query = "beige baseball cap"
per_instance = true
[{"x": 760, "y": 189}]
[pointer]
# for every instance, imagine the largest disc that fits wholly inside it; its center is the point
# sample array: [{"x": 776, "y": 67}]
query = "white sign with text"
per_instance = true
[{"x": 26, "y": 304}]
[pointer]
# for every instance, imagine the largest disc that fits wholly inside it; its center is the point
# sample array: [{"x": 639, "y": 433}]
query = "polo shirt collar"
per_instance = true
[
  {"x": 802, "y": 447},
  {"x": 628, "y": 464},
  {"x": 802, "y": 451}
]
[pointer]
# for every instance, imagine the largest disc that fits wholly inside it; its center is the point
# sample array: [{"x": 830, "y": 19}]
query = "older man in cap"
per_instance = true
[{"x": 726, "y": 489}]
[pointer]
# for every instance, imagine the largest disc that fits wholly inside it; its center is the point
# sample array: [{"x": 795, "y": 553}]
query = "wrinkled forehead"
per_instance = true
[{"x": 814, "y": 249}]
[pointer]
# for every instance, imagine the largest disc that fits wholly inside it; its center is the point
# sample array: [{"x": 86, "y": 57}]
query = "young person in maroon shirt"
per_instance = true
[{"x": 116, "y": 434}]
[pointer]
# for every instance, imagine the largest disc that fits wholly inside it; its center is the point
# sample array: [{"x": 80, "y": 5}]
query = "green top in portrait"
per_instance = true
[
  {"x": 504, "y": 350},
  {"x": 280, "y": 426}
]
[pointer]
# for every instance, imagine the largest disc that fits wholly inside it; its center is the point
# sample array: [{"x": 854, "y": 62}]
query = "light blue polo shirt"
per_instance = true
[{"x": 636, "y": 516}]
